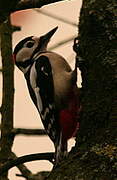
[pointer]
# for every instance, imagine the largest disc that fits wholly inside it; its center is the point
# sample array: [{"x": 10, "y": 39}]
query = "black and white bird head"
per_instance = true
[{"x": 27, "y": 49}]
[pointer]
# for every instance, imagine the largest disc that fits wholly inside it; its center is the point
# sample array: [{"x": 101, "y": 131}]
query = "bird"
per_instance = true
[{"x": 52, "y": 86}]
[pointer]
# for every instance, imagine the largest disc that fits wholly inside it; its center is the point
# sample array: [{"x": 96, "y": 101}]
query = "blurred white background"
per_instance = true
[{"x": 25, "y": 113}]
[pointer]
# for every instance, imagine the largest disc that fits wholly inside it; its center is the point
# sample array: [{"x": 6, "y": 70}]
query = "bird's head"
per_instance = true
[{"x": 27, "y": 49}]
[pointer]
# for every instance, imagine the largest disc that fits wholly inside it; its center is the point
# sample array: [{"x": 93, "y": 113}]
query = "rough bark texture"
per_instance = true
[
  {"x": 94, "y": 155},
  {"x": 8, "y": 95}
]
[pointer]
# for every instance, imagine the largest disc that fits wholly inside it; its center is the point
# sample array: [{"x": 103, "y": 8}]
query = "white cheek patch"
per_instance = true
[{"x": 24, "y": 54}]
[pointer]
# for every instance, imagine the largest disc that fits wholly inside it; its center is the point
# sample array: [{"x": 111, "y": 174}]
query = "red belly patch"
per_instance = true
[{"x": 68, "y": 123}]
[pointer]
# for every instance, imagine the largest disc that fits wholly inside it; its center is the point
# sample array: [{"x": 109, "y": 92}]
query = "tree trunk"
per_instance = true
[
  {"x": 6, "y": 140},
  {"x": 94, "y": 155}
]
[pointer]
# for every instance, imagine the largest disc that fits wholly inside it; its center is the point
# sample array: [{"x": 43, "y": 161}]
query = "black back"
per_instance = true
[{"x": 45, "y": 84}]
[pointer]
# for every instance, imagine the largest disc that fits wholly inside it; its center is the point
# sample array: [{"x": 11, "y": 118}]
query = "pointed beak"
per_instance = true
[{"x": 47, "y": 36}]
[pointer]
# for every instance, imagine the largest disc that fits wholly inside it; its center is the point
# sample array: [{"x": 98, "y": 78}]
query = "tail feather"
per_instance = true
[{"x": 60, "y": 149}]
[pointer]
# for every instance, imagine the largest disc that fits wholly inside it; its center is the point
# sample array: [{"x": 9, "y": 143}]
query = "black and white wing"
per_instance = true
[{"x": 41, "y": 80}]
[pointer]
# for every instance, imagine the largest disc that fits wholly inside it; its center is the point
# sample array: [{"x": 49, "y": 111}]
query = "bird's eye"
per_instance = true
[{"x": 30, "y": 44}]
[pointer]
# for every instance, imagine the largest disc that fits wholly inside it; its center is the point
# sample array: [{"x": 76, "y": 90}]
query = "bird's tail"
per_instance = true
[{"x": 60, "y": 149}]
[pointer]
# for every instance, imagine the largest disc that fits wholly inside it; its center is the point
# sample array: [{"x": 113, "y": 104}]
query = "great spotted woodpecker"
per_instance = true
[{"x": 52, "y": 87}]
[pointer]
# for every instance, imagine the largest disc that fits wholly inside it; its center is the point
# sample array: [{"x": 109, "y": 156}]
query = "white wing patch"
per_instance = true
[
  {"x": 33, "y": 77},
  {"x": 45, "y": 113},
  {"x": 43, "y": 70},
  {"x": 39, "y": 102}
]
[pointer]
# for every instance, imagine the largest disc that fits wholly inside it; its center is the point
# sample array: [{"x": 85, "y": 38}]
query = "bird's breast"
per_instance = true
[{"x": 62, "y": 87}]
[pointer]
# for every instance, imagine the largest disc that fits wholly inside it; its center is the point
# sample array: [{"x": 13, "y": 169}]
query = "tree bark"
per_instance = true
[
  {"x": 8, "y": 95},
  {"x": 94, "y": 155}
]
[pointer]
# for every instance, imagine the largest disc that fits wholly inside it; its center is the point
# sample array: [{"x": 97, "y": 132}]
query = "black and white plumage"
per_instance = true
[
  {"x": 52, "y": 87},
  {"x": 42, "y": 93}
]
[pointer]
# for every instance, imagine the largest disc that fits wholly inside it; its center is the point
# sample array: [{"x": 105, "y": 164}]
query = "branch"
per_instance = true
[
  {"x": 27, "y": 158},
  {"x": 22, "y": 168},
  {"x": 29, "y": 4},
  {"x": 30, "y": 132},
  {"x": 16, "y": 28},
  {"x": 27, "y": 174},
  {"x": 38, "y": 176},
  {"x": 61, "y": 43},
  {"x": 7, "y": 106},
  {"x": 16, "y": 5},
  {"x": 56, "y": 17}
]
